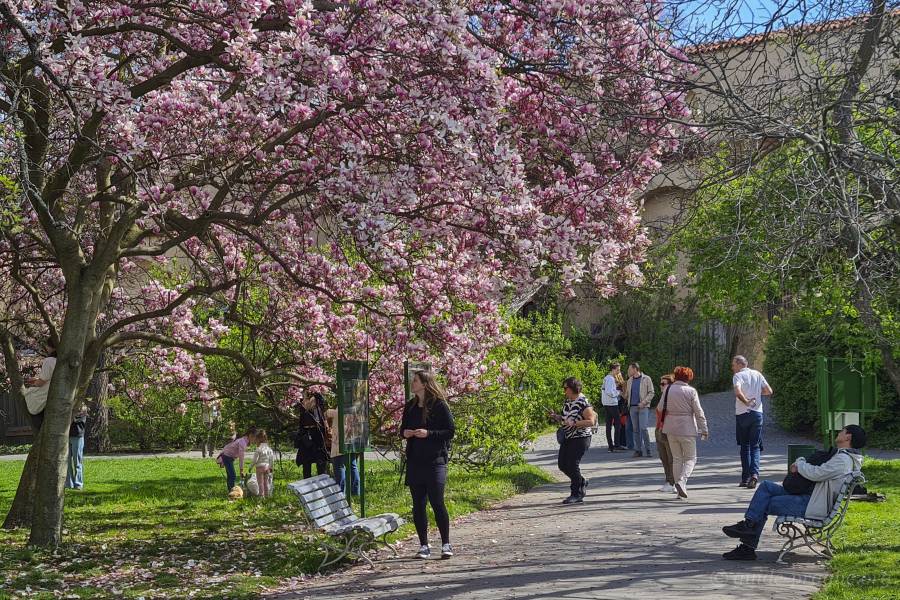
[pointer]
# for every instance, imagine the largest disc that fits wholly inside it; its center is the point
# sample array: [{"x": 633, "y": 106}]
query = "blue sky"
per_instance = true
[{"x": 698, "y": 20}]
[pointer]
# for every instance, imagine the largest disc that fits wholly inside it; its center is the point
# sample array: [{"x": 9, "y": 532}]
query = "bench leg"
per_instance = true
[
  {"x": 792, "y": 533},
  {"x": 338, "y": 551},
  {"x": 389, "y": 545},
  {"x": 815, "y": 539}
]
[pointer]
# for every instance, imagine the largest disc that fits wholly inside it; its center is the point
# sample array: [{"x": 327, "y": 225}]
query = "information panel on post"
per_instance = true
[{"x": 353, "y": 405}]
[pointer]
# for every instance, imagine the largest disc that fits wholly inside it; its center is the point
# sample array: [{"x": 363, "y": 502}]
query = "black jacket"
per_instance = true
[
  {"x": 76, "y": 429},
  {"x": 436, "y": 447}
]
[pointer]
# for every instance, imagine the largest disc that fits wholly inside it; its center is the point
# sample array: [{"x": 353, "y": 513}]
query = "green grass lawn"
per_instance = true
[
  {"x": 866, "y": 565},
  {"x": 163, "y": 528}
]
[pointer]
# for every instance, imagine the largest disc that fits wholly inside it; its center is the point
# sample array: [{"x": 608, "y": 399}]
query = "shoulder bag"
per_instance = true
[{"x": 663, "y": 410}]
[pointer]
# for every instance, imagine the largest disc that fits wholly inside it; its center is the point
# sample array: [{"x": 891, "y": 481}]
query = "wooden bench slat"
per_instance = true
[
  {"x": 312, "y": 483},
  {"x": 320, "y": 494},
  {"x": 338, "y": 501},
  {"x": 329, "y": 517}
]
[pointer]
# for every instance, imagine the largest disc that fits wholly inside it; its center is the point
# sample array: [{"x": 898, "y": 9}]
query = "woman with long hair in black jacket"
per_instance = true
[{"x": 427, "y": 426}]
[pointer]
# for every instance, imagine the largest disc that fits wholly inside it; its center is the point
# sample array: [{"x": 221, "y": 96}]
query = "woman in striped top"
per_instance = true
[{"x": 577, "y": 417}]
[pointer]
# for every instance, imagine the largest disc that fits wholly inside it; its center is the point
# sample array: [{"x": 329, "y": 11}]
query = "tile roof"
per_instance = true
[{"x": 754, "y": 38}]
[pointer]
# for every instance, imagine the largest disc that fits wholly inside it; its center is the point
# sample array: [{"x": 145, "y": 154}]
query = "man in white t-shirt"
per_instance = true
[
  {"x": 610, "y": 402},
  {"x": 749, "y": 388}
]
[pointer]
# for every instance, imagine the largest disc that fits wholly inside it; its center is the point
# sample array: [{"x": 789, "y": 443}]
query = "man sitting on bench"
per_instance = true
[{"x": 773, "y": 499}]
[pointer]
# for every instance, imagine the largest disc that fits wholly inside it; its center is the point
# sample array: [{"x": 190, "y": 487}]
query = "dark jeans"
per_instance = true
[
  {"x": 321, "y": 469},
  {"x": 748, "y": 431},
  {"x": 428, "y": 488},
  {"x": 772, "y": 499},
  {"x": 613, "y": 424},
  {"x": 571, "y": 451},
  {"x": 629, "y": 431},
  {"x": 229, "y": 470}
]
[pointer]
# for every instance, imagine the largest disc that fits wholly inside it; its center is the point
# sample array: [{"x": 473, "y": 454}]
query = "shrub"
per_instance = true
[{"x": 794, "y": 342}]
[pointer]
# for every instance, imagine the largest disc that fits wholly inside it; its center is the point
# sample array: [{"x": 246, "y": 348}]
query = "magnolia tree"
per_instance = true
[{"x": 280, "y": 184}]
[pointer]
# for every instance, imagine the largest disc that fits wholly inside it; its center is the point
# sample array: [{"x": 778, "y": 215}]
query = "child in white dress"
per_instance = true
[{"x": 264, "y": 462}]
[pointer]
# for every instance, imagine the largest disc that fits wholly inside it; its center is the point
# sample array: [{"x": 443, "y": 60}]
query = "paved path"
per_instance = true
[{"x": 625, "y": 541}]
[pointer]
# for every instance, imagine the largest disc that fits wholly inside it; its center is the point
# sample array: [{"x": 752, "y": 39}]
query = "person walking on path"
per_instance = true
[
  {"x": 610, "y": 402},
  {"x": 684, "y": 419},
  {"x": 773, "y": 499},
  {"x": 75, "y": 468},
  {"x": 311, "y": 437},
  {"x": 577, "y": 418},
  {"x": 662, "y": 440},
  {"x": 428, "y": 428},
  {"x": 639, "y": 392},
  {"x": 749, "y": 388}
]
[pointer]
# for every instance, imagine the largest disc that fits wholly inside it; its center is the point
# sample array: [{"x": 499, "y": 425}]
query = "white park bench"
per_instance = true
[
  {"x": 327, "y": 509},
  {"x": 816, "y": 534}
]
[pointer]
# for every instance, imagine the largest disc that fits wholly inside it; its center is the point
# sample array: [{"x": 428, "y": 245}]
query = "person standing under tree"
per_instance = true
[
  {"x": 639, "y": 393},
  {"x": 209, "y": 415},
  {"x": 749, "y": 388},
  {"x": 74, "y": 470},
  {"x": 311, "y": 439},
  {"x": 36, "y": 395},
  {"x": 427, "y": 426}
]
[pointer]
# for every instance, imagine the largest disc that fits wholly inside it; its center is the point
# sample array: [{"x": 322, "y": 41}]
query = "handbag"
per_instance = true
[
  {"x": 662, "y": 413},
  {"x": 560, "y": 435}
]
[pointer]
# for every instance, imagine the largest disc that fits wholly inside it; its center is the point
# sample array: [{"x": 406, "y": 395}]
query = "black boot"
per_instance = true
[{"x": 742, "y": 552}]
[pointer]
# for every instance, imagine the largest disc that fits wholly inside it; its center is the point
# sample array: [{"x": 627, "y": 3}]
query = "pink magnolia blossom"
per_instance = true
[{"x": 283, "y": 184}]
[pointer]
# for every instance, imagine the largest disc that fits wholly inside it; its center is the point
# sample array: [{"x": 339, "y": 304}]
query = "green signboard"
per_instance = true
[
  {"x": 353, "y": 405},
  {"x": 845, "y": 394}
]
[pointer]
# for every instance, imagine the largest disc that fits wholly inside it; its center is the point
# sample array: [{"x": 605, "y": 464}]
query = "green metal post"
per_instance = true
[{"x": 362, "y": 484}]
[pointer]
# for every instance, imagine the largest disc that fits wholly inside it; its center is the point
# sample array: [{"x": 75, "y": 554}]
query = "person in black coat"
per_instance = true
[
  {"x": 310, "y": 439},
  {"x": 427, "y": 426}
]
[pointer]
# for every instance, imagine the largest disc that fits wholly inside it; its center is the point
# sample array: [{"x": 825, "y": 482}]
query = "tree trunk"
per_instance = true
[
  {"x": 73, "y": 366},
  {"x": 46, "y": 525},
  {"x": 22, "y": 509},
  {"x": 872, "y": 321},
  {"x": 97, "y": 434}
]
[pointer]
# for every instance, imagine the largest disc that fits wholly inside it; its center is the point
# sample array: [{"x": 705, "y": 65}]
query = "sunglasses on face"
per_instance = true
[{"x": 663, "y": 383}]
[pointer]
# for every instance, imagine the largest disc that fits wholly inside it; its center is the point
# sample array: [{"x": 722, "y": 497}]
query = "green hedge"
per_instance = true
[{"x": 794, "y": 342}]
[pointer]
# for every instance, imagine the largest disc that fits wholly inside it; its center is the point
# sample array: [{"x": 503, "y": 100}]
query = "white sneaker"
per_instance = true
[
  {"x": 668, "y": 489},
  {"x": 424, "y": 552},
  {"x": 446, "y": 551}
]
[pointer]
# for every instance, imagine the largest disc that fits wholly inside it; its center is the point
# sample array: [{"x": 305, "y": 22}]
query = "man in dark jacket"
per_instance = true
[{"x": 74, "y": 473}]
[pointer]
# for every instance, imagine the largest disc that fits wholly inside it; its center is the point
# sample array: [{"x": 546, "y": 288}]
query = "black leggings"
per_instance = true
[
  {"x": 570, "y": 454},
  {"x": 612, "y": 420},
  {"x": 432, "y": 492},
  {"x": 321, "y": 469}
]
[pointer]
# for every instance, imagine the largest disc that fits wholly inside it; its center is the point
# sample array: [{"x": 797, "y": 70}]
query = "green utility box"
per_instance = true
[
  {"x": 795, "y": 451},
  {"x": 846, "y": 394}
]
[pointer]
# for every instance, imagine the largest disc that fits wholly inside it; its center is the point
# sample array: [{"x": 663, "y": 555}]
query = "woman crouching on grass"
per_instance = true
[{"x": 427, "y": 426}]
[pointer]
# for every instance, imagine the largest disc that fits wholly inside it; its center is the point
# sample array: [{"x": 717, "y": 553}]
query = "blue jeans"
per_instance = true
[
  {"x": 629, "y": 433},
  {"x": 748, "y": 430},
  {"x": 772, "y": 499},
  {"x": 340, "y": 471},
  {"x": 75, "y": 471},
  {"x": 640, "y": 419},
  {"x": 229, "y": 470}
]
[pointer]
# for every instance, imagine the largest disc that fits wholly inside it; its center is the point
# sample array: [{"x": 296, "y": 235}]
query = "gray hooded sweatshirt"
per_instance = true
[{"x": 829, "y": 478}]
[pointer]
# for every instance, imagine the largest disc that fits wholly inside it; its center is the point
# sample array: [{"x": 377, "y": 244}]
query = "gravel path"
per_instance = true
[{"x": 626, "y": 540}]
